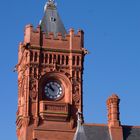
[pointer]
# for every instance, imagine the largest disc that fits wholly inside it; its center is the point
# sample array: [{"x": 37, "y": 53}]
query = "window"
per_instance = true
[
  {"x": 62, "y": 59},
  {"x": 35, "y": 59},
  {"x": 73, "y": 60},
  {"x": 67, "y": 60},
  {"x": 52, "y": 19}
]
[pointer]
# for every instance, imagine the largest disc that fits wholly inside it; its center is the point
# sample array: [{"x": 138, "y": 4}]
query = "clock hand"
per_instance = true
[{"x": 50, "y": 87}]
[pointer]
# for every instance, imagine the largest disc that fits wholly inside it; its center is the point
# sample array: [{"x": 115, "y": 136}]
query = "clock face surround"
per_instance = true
[{"x": 53, "y": 90}]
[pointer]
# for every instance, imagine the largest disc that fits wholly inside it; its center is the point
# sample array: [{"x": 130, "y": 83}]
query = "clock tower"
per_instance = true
[{"x": 50, "y": 69}]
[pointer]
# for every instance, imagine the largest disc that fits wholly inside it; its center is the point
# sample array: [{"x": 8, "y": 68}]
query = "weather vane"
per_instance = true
[{"x": 51, "y": 2}]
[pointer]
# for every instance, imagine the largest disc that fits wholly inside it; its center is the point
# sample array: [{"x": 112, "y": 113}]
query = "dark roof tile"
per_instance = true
[
  {"x": 131, "y": 133},
  {"x": 97, "y": 132}
]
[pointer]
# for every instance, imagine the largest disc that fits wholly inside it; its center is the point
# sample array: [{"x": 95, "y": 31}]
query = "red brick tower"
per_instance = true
[{"x": 50, "y": 68}]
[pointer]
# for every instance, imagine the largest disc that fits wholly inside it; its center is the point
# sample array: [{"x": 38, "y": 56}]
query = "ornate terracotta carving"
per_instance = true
[
  {"x": 33, "y": 88},
  {"x": 76, "y": 98}
]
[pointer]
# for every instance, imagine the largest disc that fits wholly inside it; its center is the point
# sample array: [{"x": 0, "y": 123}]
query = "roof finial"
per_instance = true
[{"x": 50, "y": 3}]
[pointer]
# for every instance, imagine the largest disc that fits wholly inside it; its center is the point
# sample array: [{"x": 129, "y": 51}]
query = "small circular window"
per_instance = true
[{"x": 52, "y": 19}]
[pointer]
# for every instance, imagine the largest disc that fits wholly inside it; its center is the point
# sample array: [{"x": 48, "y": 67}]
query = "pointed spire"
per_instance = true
[{"x": 51, "y": 21}]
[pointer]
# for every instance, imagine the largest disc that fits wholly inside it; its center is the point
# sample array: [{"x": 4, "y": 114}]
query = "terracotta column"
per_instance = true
[
  {"x": 71, "y": 33},
  {"x": 114, "y": 124}
]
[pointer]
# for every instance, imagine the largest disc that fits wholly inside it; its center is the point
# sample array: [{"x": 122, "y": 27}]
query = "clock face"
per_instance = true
[{"x": 53, "y": 90}]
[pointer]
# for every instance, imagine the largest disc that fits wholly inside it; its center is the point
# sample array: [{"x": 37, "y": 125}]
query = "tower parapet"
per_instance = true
[{"x": 38, "y": 38}]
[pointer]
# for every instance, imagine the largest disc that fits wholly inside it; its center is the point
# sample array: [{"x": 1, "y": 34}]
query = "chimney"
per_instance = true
[
  {"x": 114, "y": 123},
  {"x": 113, "y": 110}
]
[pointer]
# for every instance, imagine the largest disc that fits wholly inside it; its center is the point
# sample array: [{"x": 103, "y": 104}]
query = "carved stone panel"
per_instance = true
[
  {"x": 76, "y": 93},
  {"x": 33, "y": 88}
]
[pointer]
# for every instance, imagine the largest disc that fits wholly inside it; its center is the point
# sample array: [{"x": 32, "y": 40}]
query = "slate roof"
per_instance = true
[
  {"x": 80, "y": 134},
  {"x": 131, "y": 133},
  {"x": 51, "y": 21},
  {"x": 95, "y": 132},
  {"x": 90, "y": 132}
]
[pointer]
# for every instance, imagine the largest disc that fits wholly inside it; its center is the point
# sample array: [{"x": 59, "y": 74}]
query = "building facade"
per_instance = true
[{"x": 50, "y": 75}]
